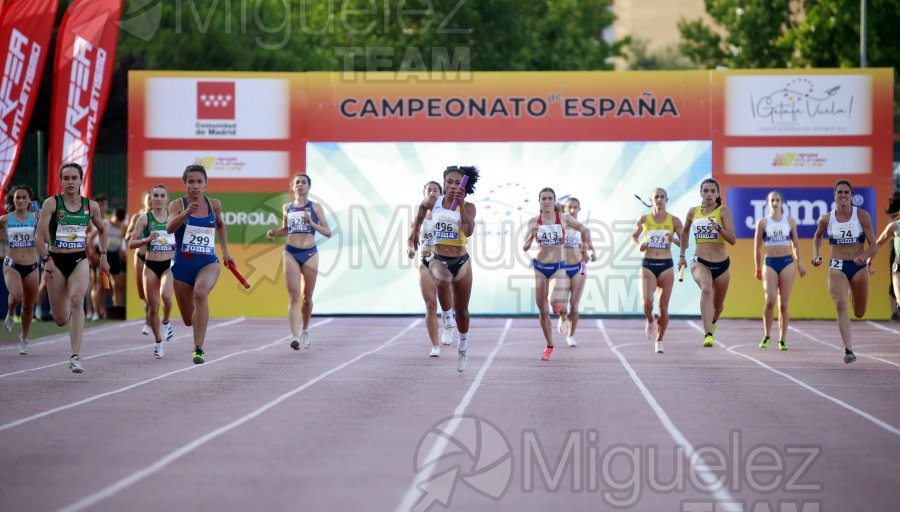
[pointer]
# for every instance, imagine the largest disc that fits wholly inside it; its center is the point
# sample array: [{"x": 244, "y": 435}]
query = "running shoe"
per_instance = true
[
  {"x": 17, "y": 319},
  {"x": 23, "y": 345},
  {"x": 849, "y": 356},
  {"x": 714, "y": 326},
  {"x": 169, "y": 332},
  {"x": 545, "y": 356},
  {"x": 95, "y": 317},
  {"x": 295, "y": 344},
  {"x": 75, "y": 364},
  {"x": 304, "y": 336},
  {"x": 461, "y": 361},
  {"x": 658, "y": 346},
  {"x": 448, "y": 337},
  {"x": 765, "y": 342},
  {"x": 158, "y": 350},
  {"x": 782, "y": 345},
  {"x": 570, "y": 340},
  {"x": 435, "y": 351},
  {"x": 146, "y": 329},
  {"x": 199, "y": 356},
  {"x": 650, "y": 329},
  {"x": 708, "y": 340},
  {"x": 8, "y": 323}
]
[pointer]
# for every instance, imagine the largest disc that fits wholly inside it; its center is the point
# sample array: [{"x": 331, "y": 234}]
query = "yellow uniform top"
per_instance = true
[
  {"x": 703, "y": 234},
  {"x": 656, "y": 233}
]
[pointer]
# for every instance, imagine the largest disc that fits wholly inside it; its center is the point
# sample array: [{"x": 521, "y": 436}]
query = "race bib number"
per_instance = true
[
  {"x": 199, "y": 240},
  {"x": 298, "y": 222},
  {"x": 21, "y": 237},
  {"x": 657, "y": 239},
  {"x": 70, "y": 237},
  {"x": 845, "y": 233},
  {"x": 704, "y": 229},
  {"x": 837, "y": 264},
  {"x": 427, "y": 234},
  {"x": 164, "y": 242},
  {"x": 446, "y": 228},
  {"x": 573, "y": 239},
  {"x": 549, "y": 234}
]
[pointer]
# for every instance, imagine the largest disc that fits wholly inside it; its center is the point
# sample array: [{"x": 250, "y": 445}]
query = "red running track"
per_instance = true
[{"x": 362, "y": 420}]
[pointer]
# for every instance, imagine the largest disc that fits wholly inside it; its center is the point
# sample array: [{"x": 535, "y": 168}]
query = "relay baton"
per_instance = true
[
  {"x": 462, "y": 185},
  {"x": 681, "y": 274},
  {"x": 583, "y": 267},
  {"x": 237, "y": 273},
  {"x": 104, "y": 278}
]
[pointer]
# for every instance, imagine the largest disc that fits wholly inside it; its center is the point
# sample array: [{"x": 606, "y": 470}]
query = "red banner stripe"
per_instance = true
[{"x": 85, "y": 58}]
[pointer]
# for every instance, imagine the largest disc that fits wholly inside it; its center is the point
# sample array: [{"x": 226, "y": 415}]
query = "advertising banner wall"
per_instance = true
[{"x": 608, "y": 139}]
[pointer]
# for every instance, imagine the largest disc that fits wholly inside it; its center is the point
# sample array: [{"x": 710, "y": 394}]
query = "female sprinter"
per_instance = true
[
  {"x": 62, "y": 227},
  {"x": 139, "y": 256},
  {"x": 196, "y": 221},
  {"x": 302, "y": 219},
  {"x": 657, "y": 269},
  {"x": 713, "y": 226},
  {"x": 449, "y": 262},
  {"x": 549, "y": 229},
  {"x": 575, "y": 257},
  {"x": 20, "y": 264},
  {"x": 776, "y": 235},
  {"x": 848, "y": 229},
  {"x": 422, "y": 237},
  {"x": 149, "y": 233}
]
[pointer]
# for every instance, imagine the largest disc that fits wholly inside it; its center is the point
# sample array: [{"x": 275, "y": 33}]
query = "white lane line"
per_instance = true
[
  {"x": 65, "y": 336},
  {"x": 841, "y": 348},
  {"x": 92, "y": 398},
  {"x": 881, "y": 423},
  {"x": 715, "y": 485},
  {"x": 137, "y": 476},
  {"x": 413, "y": 494},
  {"x": 883, "y": 328},
  {"x": 145, "y": 346}
]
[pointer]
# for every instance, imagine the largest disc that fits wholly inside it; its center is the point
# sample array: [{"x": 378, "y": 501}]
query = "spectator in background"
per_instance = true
[{"x": 96, "y": 302}]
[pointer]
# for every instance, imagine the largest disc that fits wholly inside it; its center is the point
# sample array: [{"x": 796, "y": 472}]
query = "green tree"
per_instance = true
[
  {"x": 792, "y": 33},
  {"x": 311, "y": 35}
]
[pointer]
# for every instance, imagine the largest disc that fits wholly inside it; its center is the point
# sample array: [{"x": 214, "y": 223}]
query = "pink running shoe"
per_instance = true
[{"x": 547, "y": 353}]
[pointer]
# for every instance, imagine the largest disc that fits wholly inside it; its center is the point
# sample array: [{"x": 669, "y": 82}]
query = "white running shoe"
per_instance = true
[
  {"x": 658, "y": 346},
  {"x": 650, "y": 330},
  {"x": 461, "y": 361},
  {"x": 158, "y": 350},
  {"x": 435, "y": 351},
  {"x": 23, "y": 345},
  {"x": 168, "y": 332},
  {"x": 570, "y": 340},
  {"x": 8, "y": 323},
  {"x": 448, "y": 337},
  {"x": 75, "y": 364},
  {"x": 304, "y": 336},
  {"x": 146, "y": 329},
  {"x": 95, "y": 317}
]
